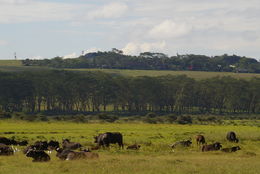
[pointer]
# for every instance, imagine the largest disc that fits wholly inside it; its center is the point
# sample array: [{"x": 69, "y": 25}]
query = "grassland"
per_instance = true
[
  {"x": 154, "y": 157},
  {"x": 16, "y": 66},
  {"x": 154, "y": 73}
]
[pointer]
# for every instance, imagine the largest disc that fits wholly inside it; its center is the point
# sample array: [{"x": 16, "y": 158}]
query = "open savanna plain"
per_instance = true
[
  {"x": 16, "y": 66},
  {"x": 154, "y": 157}
]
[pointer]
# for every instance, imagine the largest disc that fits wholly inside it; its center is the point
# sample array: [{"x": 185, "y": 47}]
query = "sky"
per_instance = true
[{"x": 48, "y": 28}]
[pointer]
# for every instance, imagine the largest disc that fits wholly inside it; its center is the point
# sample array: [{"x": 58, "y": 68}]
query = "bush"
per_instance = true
[
  {"x": 184, "y": 120},
  {"x": 108, "y": 118},
  {"x": 5, "y": 115},
  {"x": 151, "y": 115}
]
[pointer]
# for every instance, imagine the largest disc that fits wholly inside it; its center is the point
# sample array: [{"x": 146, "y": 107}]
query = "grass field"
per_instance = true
[
  {"x": 192, "y": 74},
  {"x": 16, "y": 65},
  {"x": 155, "y": 155}
]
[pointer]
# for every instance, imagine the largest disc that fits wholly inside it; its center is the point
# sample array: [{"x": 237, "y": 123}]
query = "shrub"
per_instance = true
[{"x": 184, "y": 120}]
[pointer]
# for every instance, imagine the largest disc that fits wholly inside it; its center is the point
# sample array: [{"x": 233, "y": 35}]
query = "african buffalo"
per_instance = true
[
  {"x": 211, "y": 147},
  {"x": 200, "y": 139},
  {"x": 108, "y": 138},
  {"x": 231, "y": 136},
  {"x": 134, "y": 147},
  {"x": 6, "y": 150},
  {"x": 66, "y": 144},
  {"x": 81, "y": 155},
  {"x": 52, "y": 145},
  {"x": 185, "y": 143},
  {"x": 232, "y": 149},
  {"x": 62, "y": 153},
  {"x": 7, "y": 141},
  {"x": 38, "y": 155}
]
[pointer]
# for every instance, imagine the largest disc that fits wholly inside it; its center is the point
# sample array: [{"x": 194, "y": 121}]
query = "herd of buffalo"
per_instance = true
[{"x": 66, "y": 150}]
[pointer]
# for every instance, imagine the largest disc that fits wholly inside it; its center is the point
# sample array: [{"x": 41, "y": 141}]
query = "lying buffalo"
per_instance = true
[
  {"x": 81, "y": 155},
  {"x": 66, "y": 154},
  {"x": 231, "y": 149},
  {"x": 134, "y": 147},
  {"x": 6, "y": 150},
  {"x": 231, "y": 136},
  {"x": 211, "y": 147},
  {"x": 66, "y": 144},
  {"x": 108, "y": 138},
  {"x": 38, "y": 155},
  {"x": 8, "y": 141}
]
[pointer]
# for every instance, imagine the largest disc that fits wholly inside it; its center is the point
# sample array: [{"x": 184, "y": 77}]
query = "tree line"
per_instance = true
[
  {"x": 67, "y": 92},
  {"x": 153, "y": 61}
]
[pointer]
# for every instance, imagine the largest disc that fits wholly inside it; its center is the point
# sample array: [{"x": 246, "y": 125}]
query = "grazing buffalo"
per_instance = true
[
  {"x": 81, "y": 155},
  {"x": 108, "y": 138},
  {"x": 232, "y": 149},
  {"x": 185, "y": 143},
  {"x": 6, "y": 150},
  {"x": 38, "y": 155},
  {"x": 200, "y": 139},
  {"x": 231, "y": 136},
  {"x": 211, "y": 147},
  {"x": 66, "y": 144},
  {"x": 134, "y": 147}
]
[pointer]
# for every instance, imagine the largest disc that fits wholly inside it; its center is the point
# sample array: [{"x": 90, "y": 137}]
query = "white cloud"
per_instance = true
[
  {"x": 169, "y": 29},
  {"x": 133, "y": 48},
  {"x": 72, "y": 55},
  {"x": 91, "y": 50},
  {"x": 20, "y": 11},
  {"x": 112, "y": 10}
]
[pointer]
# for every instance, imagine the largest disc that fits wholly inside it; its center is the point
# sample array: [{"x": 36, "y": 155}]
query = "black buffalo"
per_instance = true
[
  {"x": 211, "y": 147},
  {"x": 38, "y": 155},
  {"x": 231, "y": 149},
  {"x": 231, "y": 136},
  {"x": 6, "y": 150},
  {"x": 52, "y": 145},
  {"x": 108, "y": 138}
]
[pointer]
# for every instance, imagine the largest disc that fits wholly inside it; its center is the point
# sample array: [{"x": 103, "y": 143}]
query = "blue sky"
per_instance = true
[{"x": 49, "y": 28}]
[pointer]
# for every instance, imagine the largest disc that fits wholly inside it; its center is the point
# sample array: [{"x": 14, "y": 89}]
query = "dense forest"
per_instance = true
[
  {"x": 115, "y": 59},
  {"x": 68, "y": 92}
]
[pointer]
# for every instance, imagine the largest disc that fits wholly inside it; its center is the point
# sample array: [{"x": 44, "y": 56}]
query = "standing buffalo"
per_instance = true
[
  {"x": 200, "y": 139},
  {"x": 211, "y": 147},
  {"x": 231, "y": 136},
  {"x": 108, "y": 138}
]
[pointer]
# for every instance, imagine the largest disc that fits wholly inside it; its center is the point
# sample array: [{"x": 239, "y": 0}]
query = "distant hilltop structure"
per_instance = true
[{"x": 15, "y": 57}]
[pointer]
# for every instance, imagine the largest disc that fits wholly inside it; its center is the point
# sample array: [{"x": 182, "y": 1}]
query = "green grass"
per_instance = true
[
  {"x": 10, "y": 63},
  {"x": 155, "y": 156},
  {"x": 153, "y": 73},
  {"x": 16, "y": 65}
]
